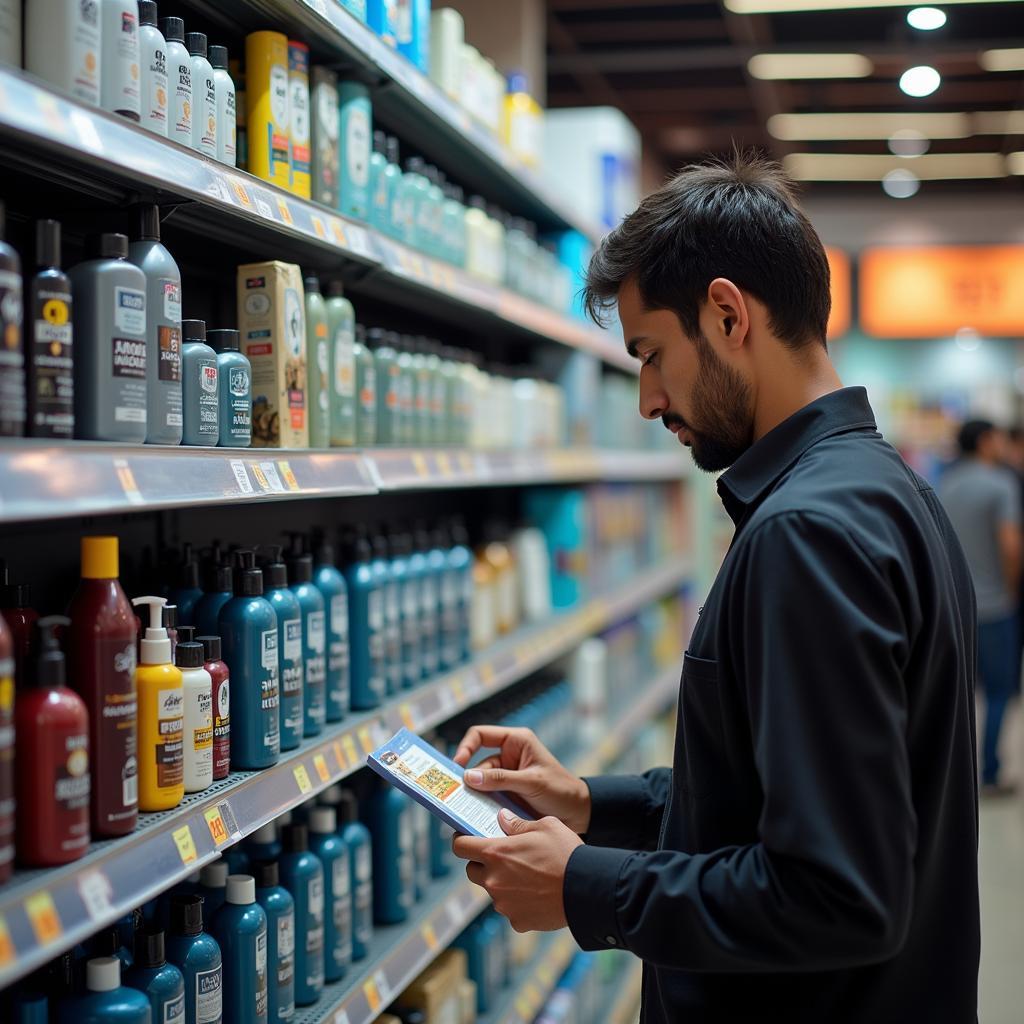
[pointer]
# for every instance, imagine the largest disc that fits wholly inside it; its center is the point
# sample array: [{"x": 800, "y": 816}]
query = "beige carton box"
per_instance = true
[
  {"x": 272, "y": 325},
  {"x": 436, "y": 992}
]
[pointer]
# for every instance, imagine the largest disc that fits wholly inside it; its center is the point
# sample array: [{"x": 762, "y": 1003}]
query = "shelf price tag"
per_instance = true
[
  {"x": 186, "y": 846},
  {"x": 241, "y": 476},
  {"x": 44, "y": 917},
  {"x": 341, "y": 1017},
  {"x": 6, "y": 946},
  {"x": 215, "y": 823},
  {"x": 257, "y": 471},
  {"x": 405, "y": 713},
  {"x": 430, "y": 936},
  {"x": 419, "y": 463},
  {"x": 372, "y": 995},
  {"x": 338, "y": 230},
  {"x": 365, "y": 739},
  {"x": 238, "y": 187},
  {"x": 444, "y": 464},
  {"x": 339, "y": 754},
  {"x": 286, "y": 211},
  {"x": 320, "y": 763},
  {"x": 487, "y": 673},
  {"x": 95, "y": 889},
  {"x": 318, "y": 228},
  {"x": 383, "y": 985},
  {"x": 302, "y": 779},
  {"x": 289, "y": 476},
  {"x": 127, "y": 480},
  {"x": 349, "y": 745}
]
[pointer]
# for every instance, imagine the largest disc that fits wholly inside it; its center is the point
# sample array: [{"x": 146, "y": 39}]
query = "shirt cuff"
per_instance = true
[
  {"x": 620, "y": 811},
  {"x": 589, "y": 893}
]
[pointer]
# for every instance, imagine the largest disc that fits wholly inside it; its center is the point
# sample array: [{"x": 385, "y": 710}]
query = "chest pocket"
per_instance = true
[{"x": 700, "y": 755}]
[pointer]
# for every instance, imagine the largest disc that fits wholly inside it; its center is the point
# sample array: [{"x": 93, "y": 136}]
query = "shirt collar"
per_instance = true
[{"x": 764, "y": 462}]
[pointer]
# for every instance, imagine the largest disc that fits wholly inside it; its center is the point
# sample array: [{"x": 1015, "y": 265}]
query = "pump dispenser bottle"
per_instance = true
[
  {"x": 279, "y": 907},
  {"x": 198, "y": 717},
  {"x": 240, "y": 928},
  {"x": 389, "y": 587},
  {"x": 217, "y": 592},
  {"x": 291, "y": 670},
  {"x": 106, "y": 1000},
  {"x": 303, "y": 876},
  {"x": 197, "y": 955},
  {"x": 162, "y": 983},
  {"x": 51, "y": 773},
  {"x": 234, "y": 377},
  {"x": 331, "y": 584},
  {"x": 366, "y": 625},
  {"x": 248, "y": 631},
  {"x": 153, "y": 70},
  {"x": 200, "y": 386},
  {"x": 221, "y": 703},
  {"x": 333, "y": 853},
  {"x": 204, "y": 97},
  {"x": 366, "y": 390},
  {"x": 318, "y": 365},
  {"x": 20, "y": 618},
  {"x": 314, "y": 639},
  {"x": 179, "y": 82},
  {"x": 186, "y": 593},
  {"x": 341, "y": 326}
]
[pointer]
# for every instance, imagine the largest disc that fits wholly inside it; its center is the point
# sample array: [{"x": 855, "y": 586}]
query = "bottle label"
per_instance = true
[
  {"x": 208, "y": 397},
  {"x": 339, "y": 615},
  {"x": 364, "y": 912},
  {"x": 344, "y": 362},
  {"x": 222, "y": 731},
  {"x": 315, "y": 933},
  {"x": 208, "y": 139},
  {"x": 130, "y": 312},
  {"x": 269, "y": 649},
  {"x": 12, "y": 355},
  {"x": 172, "y": 299},
  {"x": 285, "y": 947},
  {"x": 174, "y": 1010},
  {"x": 202, "y": 736},
  {"x": 127, "y": 50},
  {"x": 340, "y": 880},
  {"x": 71, "y": 790},
  {"x": 229, "y": 127},
  {"x": 292, "y": 643},
  {"x": 170, "y": 769},
  {"x": 261, "y": 974},
  {"x": 298, "y": 111},
  {"x": 342, "y": 912},
  {"x": 364, "y": 865},
  {"x": 114, "y": 754},
  {"x": 357, "y": 146},
  {"x": 86, "y": 50},
  {"x": 375, "y": 609},
  {"x": 315, "y": 628},
  {"x": 279, "y": 145},
  {"x": 183, "y": 101},
  {"x": 169, "y": 342},
  {"x": 208, "y": 996},
  {"x": 52, "y": 382},
  {"x": 368, "y": 394},
  {"x": 156, "y": 112}
]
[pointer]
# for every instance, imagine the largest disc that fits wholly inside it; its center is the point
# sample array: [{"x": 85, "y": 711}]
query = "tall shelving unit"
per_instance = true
[{"x": 90, "y": 164}]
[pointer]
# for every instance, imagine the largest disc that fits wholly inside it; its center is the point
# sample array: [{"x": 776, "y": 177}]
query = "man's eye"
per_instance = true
[{"x": 648, "y": 360}]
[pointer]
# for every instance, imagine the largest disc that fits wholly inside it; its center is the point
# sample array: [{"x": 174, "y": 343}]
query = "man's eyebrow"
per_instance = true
[{"x": 632, "y": 344}]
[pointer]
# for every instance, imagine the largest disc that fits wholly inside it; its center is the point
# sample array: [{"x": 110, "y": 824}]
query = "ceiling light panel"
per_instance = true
[
  {"x": 798, "y": 6},
  {"x": 809, "y": 65},
  {"x": 919, "y": 81},
  {"x": 926, "y": 19},
  {"x": 871, "y": 167},
  {"x": 1002, "y": 60},
  {"x": 841, "y": 126}
]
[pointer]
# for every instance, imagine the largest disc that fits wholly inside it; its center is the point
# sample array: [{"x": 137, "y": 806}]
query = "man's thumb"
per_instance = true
[
  {"x": 488, "y": 779},
  {"x": 511, "y": 823}
]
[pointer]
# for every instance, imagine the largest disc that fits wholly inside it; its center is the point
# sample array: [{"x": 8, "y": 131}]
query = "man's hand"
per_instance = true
[
  {"x": 524, "y": 872},
  {"x": 527, "y": 768}
]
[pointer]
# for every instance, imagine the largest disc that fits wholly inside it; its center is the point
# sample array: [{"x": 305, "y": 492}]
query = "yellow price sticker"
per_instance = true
[
  {"x": 458, "y": 688},
  {"x": 318, "y": 227},
  {"x": 286, "y": 211},
  {"x": 6, "y": 945},
  {"x": 523, "y": 1009},
  {"x": 242, "y": 192},
  {"x": 430, "y": 936},
  {"x": 302, "y": 778},
  {"x": 340, "y": 756},
  {"x": 487, "y": 673},
  {"x": 444, "y": 464},
  {"x": 466, "y": 462},
  {"x": 289, "y": 476},
  {"x": 338, "y": 230},
  {"x": 419, "y": 463},
  {"x": 372, "y": 995},
  {"x": 44, "y": 917},
  {"x": 405, "y": 713},
  {"x": 261, "y": 478},
  {"x": 349, "y": 745},
  {"x": 215, "y": 823},
  {"x": 186, "y": 846},
  {"x": 320, "y": 763},
  {"x": 127, "y": 478},
  {"x": 365, "y": 739}
]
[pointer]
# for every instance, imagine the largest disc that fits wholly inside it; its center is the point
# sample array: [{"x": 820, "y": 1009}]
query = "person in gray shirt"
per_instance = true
[{"x": 983, "y": 500}]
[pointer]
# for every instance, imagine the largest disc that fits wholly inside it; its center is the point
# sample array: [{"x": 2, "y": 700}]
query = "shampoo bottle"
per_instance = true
[
  {"x": 279, "y": 907},
  {"x": 220, "y": 684},
  {"x": 356, "y": 141},
  {"x": 186, "y": 592},
  {"x": 389, "y": 386},
  {"x": 68, "y": 58},
  {"x": 366, "y": 390},
  {"x": 12, "y": 353},
  {"x": 298, "y": 118},
  {"x": 158, "y": 681},
  {"x": 360, "y": 848},
  {"x": 240, "y": 927},
  {"x": 267, "y": 100},
  {"x": 314, "y": 642},
  {"x": 318, "y": 365},
  {"x": 102, "y": 647},
  {"x": 394, "y": 876},
  {"x": 248, "y": 632},
  {"x": 200, "y": 386},
  {"x": 429, "y": 589},
  {"x": 227, "y": 106},
  {"x": 153, "y": 69},
  {"x": 204, "y": 96},
  {"x": 110, "y": 336},
  {"x": 198, "y": 693},
  {"x": 234, "y": 377},
  {"x": 379, "y": 184},
  {"x": 392, "y": 615},
  {"x": 217, "y": 592},
  {"x": 105, "y": 1000},
  {"x": 179, "y": 82},
  {"x": 119, "y": 49},
  {"x": 162, "y": 983},
  {"x": 198, "y": 957},
  {"x": 51, "y": 772},
  {"x": 334, "y": 856},
  {"x": 331, "y": 584},
  {"x": 366, "y": 626},
  {"x": 163, "y": 329},
  {"x": 303, "y": 876},
  {"x": 409, "y": 600},
  {"x": 341, "y": 330},
  {"x": 460, "y": 561},
  {"x": 291, "y": 670},
  {"x": 213, "y": 880},
  {"x": 49, "y": 351}
]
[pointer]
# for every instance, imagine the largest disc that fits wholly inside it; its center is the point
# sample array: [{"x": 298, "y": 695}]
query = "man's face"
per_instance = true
[{"x": 703, "y": 400}]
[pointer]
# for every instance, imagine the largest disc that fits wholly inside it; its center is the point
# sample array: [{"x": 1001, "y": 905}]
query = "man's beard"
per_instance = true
[{"x": 723, "y": 422}]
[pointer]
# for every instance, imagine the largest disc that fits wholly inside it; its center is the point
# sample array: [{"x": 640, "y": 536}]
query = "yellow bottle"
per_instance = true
[
  {"x": 161, "y": 716},
  {"x": 522, "y": 126},
  {"x": 267, "y": 106}
]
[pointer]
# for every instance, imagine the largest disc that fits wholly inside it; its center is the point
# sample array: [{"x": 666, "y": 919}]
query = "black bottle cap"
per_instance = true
[
  {"x": 355, "y": 547},
  {"x": 248, "y": 578},
  {"x": 196, "y": 43},
  {"x": 224, "y": 339},
  {"x": 169, "y": 616},
  {"x": 414, "y": 165},
  {"x": 193, "y": 330},
  {"x": 219, "y": 57},
  {"x": 348, "y": 808},
  {"x": 311, "y": 283},
  {"x": 149, "y": 945},
  {"x": 186, "y": 634},
  {"x": 380, "y": 546},
  {"x": 478, "y": 202},
  {"x": 294, "y": 839},
  {"x": 324, "y": 550},
  {"x": 49, "y": 656},
  {"x": 15, "y": 595},
  {"x": 173, "y": 29},
  {"x": 149, "y": 223},
  {"x": 376, "y": 337},
  {"x": 147, "y": 12},
  {"x": 393, "y": 150},
  {"x": 380, "y": 142},
  {"x": 188, "y": 654},
  {"x": 266, "y": 874},
  {"x": 211, "y": 647},
  {"x": 47, "y": 243},
  {"x": 186, "y": 914},
  {"x": 188, "y": 573},
  {"x": 300, "y": 568},
  {"x": 335, "y": 289},
  {"x": 275, "y": 569},
  {"x": 108, "y": 246},
  {"x": 361, "y": 334}
]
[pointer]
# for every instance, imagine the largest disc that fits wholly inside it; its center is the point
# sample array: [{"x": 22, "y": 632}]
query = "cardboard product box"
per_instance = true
[
  {"x": 437, "y": 992},
  {"x": 387, "y": 1018},
  {"x": 326, "y": 155},
  {"x": 272, "y": 325},
  {"x": 467, "y": 1000}
]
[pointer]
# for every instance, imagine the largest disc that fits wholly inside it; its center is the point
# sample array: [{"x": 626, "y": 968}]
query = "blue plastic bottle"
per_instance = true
[
  {"x": 237, "y": 859},
  {"x": 389, "y": 815},
  {"x": 303, "y": 876},
  {"x": 409, "y": 600},
  {"x": 213, "y": 880},
  {"x": 200, "y": 386},
  {"x": 240, "y": 928},
  {"x": 379, "y": 182},
  {"x": 218, "y": 592},
  {"x": 460, "y": 560},
  {"x": 366, "y": 625},
  {"x": 289, "y": 648},
  {"x": 421, "y": 818},
  {"x": 430, "y": 602},
  {"x": 248, "y": 632},
  {"x": 331, "y": 584},
  {"x": 162, "y": 983},
  {"x": 234, "y": 373},
  {"x": 450, "y": 652},
  {"x": 360, "y": 861},
  {"x": 380, "y": 16},
  {"x": 279, "y": 907},
  {"x": 29, "y": 1005},
  {"x": 396, "y": 215},
  {"x": 381, "y": 569},
  {"x": 105, "y": 1000},
  {"x": 187, "y": 593},
  {"x": 332, "y": 850},
  {"x": 265, "y": 842},
  {"x": 314, "y": 643},
  {"x": 197, "y": 956}
]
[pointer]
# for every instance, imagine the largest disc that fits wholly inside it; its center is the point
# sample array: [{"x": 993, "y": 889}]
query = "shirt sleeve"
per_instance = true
[
  {"x": 1008, "y": 501},
  {"x": 626, "y": 810},
  {"x": 814, "y": 637}
]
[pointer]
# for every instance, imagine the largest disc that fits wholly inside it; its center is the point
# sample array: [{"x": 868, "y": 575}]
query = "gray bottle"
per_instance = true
[
  {"x": 235, "y": 376},
  {"x": 200, "y": 386},
  {"x": 163, "y": 329},
  {"x": 110, "y": 343}
]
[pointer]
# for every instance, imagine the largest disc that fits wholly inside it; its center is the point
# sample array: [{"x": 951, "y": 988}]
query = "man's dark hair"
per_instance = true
[
  {"x": 971, "y": 433},
  {"x": 735, "y": 218}
]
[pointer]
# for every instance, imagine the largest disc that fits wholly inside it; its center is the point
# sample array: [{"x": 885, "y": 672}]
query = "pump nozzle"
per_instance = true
[
  {"x": 49, "y": 656},
  {"x": 155, "y": 648}
]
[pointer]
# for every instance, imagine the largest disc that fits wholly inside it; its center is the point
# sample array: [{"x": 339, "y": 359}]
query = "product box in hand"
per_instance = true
[{"x": 272, "y": 324}]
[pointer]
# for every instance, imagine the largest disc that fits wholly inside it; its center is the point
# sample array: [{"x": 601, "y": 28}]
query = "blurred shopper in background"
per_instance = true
[
  {"x": 1015, "y": 461},
  {"x": 983, "y": 499}
]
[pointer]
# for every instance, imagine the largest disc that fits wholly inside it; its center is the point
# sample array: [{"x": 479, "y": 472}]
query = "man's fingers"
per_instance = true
[
  {"x": 512, "y": 824},
  {"x": 487, "y": 779},
  {"x": 480, "y": 736},
  {"x": 470, "y": 847},
  {"x": 476, "y": 872}
]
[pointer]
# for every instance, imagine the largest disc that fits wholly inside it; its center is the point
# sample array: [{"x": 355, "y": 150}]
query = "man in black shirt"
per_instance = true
[{"x": 812, "y": 854}]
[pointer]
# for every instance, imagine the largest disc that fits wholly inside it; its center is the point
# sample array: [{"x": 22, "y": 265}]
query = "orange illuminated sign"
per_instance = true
[
  {"x": 842, "y": 296},
  {"x": 933, "y": 292}
]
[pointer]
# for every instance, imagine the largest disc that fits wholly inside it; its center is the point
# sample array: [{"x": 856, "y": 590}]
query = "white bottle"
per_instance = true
[
  {"x": 119, "y": 89},
  {"x": 447, "y": 36},
  {"x": 204, "y": 97},
  {"x": 62, "y": 45},
  {"x": 10, "y": 32},
  {"x": 227, "y": 126},
  {"x": 153, "y": 65},
  {"x": 197, "y": 687},
  {"x": 179, "y": 82}
]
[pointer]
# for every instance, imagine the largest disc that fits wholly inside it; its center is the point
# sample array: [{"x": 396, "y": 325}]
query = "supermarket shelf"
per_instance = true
[
  {"x": 625, "y": 1008},
  {"x": 53, "y": 135},
  {"x": 535, "y": 981},
  {"x": 43, "y": 912},
  {"x": 43, "y": 480}
]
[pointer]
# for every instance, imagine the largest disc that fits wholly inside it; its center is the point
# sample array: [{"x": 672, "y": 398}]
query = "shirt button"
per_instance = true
[{"x": 610, "y": 939}]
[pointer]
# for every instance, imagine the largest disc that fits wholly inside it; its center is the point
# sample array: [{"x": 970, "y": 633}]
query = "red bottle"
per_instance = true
[
  {"x": 6, "y": 752},
  {"x": 52, "y": 760},
  {"x": 101, "y": 646},
  {"x": 20, "y": 618},
  {"x": 221, "y": 706}
]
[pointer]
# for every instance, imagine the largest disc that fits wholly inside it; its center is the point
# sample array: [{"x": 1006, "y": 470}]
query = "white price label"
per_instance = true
[
  {"x": 341, "y": 1017},
  {"x": 273, "y": 478},
  {"x": 383, "y": 986},
  {"x": 95, "y": 889},
  {"x": 241, "y": 476}
]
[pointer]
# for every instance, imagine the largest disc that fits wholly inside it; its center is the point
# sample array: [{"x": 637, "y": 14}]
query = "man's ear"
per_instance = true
[{"x": 730, "y": 317}]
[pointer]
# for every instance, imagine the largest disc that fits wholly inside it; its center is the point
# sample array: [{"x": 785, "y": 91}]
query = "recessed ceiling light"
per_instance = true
[
  {"x": 809, "y": 65},
  {"x": 926, "y": 19},
  {"x": 908, "y": 143},
  {"x": 919, "y": 81},
  {"x": 1002, "y": 60},
  {"x": 900, "y": 183}
]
